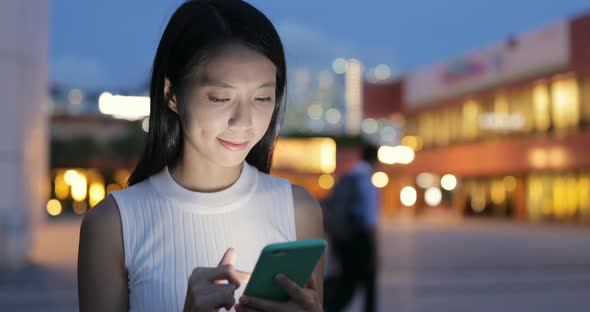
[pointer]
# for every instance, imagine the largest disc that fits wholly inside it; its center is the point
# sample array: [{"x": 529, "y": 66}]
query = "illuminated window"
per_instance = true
[
  {"x": 426, "y": 128},
  {"x": 584, "y": 197},
  {"x": 456, "y": 125},
  {"x": 521, "y": 110},
  {"x": 312, "y": 155},
  {"x": 540, "y": 200},
  {"x": 498, "y": 192},
  {"x": 563, "y": 196},
  {"x": 478, "y": 197},
  {"x": 443, "y": 131},
  {"x": 565, "y": 102},
  {"x": 501, "y": 104},
  {"x": 585, "y": 99},
  {"x": 471, "y": 112},
  {"x": 541, "y": 106}
]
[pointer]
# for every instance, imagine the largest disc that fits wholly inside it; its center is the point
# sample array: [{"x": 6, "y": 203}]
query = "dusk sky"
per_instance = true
[{"x": 110, "y": 44}]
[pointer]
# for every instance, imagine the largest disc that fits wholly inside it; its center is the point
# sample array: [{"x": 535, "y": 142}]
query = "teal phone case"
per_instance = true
[{"x": 296, "y": 260}]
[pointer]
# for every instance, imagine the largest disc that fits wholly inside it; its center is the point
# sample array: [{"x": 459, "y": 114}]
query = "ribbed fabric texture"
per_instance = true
[{"x": 168, "y": 231}]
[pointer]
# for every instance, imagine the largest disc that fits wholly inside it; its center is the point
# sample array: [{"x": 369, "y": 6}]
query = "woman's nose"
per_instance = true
[{"x": 241, "y": 117}]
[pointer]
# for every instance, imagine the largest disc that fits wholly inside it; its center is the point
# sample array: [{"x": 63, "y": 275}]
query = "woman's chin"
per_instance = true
[{"x": 231, "y": 160}]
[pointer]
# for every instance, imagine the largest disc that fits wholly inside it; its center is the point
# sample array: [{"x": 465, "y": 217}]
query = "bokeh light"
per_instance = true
[
  {"x": 433, "y": 196},
  {"x": 339, "y": 66},
  {"x": 54, "y": 207},
  {"x": 380, "y": 179},
  {"x": 326, "y": 181},
  {"x": 408, "y": 196},
  {"x": 448, "y": 182}
]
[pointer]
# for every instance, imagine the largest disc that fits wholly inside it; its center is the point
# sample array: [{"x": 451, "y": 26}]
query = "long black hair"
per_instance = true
[{"x": 195, "y": 29}]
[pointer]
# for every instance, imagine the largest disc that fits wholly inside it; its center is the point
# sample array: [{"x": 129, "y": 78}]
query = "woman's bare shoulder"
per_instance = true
[
  {"x": 102, "y": 226},
  {"x": 103, "y": 217},
  {"x": 102, "y": 276}
]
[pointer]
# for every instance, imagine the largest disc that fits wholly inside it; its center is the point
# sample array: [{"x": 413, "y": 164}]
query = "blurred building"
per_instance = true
[
  {"x": 502, "y": 131},
  {"x": 90, "y": 156}
]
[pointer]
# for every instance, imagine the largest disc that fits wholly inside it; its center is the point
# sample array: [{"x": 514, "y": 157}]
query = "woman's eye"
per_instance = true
[
  {"x": 264, "y": 99},
  {"x": 218, "y": 100}
]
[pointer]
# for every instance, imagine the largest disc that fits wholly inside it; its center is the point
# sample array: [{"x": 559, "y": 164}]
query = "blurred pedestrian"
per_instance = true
[{"x": 351, "y": 217}]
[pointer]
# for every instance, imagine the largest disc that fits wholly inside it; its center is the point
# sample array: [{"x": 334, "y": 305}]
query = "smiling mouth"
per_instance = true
[{"x": 233, "y": 146}]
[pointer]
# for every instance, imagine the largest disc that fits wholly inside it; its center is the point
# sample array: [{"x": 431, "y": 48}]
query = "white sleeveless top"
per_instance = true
[{"x": 168, "y": 231}]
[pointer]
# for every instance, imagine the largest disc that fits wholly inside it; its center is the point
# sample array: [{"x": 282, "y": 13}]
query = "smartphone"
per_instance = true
[{"x": 296, "y": 260}]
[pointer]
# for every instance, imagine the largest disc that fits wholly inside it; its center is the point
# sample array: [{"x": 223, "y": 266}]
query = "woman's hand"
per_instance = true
[
  {"x": 301, "y": 299},
  {"x": 210, "y": 289}
]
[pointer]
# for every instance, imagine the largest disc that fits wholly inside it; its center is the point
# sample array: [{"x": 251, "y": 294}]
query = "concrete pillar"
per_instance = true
[{"x": 23, "y": 126}]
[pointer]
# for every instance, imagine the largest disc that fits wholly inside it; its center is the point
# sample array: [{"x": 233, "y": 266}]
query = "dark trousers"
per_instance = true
[{"x": 357, "y": 258}]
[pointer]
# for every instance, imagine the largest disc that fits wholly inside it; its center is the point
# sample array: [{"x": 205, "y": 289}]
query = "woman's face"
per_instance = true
[{"x": 228, "y": 106}]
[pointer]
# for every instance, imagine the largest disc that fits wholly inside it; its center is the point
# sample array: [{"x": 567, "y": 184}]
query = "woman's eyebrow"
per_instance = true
[
  {"x": 205, "y": 81},
  {"x": 270, "y": 84}
]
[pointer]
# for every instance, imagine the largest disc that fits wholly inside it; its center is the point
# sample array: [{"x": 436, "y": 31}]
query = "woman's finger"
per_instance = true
[
  {"x": 292, "y": 289},
  {"x": 311, "y": 284},
  {"x": 229, "y": 257},
  {"x": 225, "y": 272},
  {"x": 244, "y": 308},
  {"x": 242, "y": 276},
  {"x": 259, "y": 304},
  {"x": 221, "y": 296}
]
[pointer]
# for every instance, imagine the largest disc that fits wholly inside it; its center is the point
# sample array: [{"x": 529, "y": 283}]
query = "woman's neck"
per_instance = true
[{"x": 204, "y": 176}]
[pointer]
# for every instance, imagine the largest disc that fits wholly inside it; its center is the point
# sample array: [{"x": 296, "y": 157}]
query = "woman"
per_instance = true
[{"x": 200, "y": 205}]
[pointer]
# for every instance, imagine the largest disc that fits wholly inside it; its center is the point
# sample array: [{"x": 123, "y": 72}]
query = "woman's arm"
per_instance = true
[
  {"x": 309, "y": 224},
  {"x": 102, "y": 277}
]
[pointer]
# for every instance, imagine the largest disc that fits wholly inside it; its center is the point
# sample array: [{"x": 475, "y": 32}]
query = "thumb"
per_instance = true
[
  {"x": 311, "y": 284},
  {"x": 229, "y": 257}
]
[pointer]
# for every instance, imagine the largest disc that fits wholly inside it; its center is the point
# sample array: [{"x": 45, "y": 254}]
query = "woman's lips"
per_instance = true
[{"x": 233, "y": 146}]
